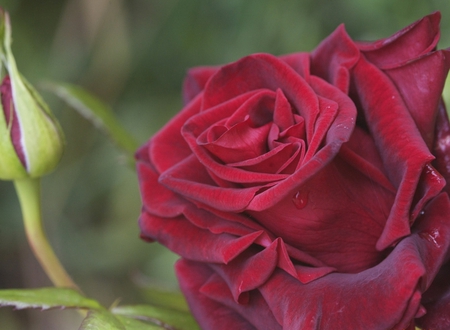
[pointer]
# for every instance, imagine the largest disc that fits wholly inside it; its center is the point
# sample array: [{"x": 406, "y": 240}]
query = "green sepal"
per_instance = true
[
  {"x": 10, "y": 165},
  {"x": 41, "y": 137}
]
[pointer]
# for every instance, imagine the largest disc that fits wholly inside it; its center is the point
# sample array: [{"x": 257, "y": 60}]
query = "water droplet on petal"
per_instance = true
[
  {"x": 433, "y": 174},
  {"x": 432, "y": 236},
  {"x": 300, "y": 199}
]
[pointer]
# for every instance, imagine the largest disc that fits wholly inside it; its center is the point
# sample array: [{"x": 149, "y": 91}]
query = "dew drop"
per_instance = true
[
  {"x": 432, "y": 236},
  {"x": 433, "y": 175},
  {"x": 300, "y": 199}
]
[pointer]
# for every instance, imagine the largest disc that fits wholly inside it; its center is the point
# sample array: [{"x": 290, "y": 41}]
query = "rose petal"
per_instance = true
[
  {"x": 242, "y": 225},
  {"x": 283, "y": 115},
  {"x": 195, "y": 81},
  {"x": 441, "y": 148},
  {"x": 334, "y": 57},
  {"x": 420, "y": 82},
  {"x": 361, "y": 153},
  {"x": 336, "y": 216},
  {"x": 393, "y": 286},
  {"x": 397, "y": 138},
  {"x": 197, "y": 281},
  {"x": 168, "y": 146},
  {"x": 274, "y": 161},
  {"x": 438, "y": 316},
  {"x": 156, "y": 198},
  {"x": 409, "y": 43},
  {"x": 177, "y": 234},
  {"x": 300, "y": 62},
  {"x": 437, "y": 302},
  {"x": 338, "y": 133},
  {"x": 263, "y": 71},
  {"x": 239, "y": 143},
  {"x": 190, "y": 179}
]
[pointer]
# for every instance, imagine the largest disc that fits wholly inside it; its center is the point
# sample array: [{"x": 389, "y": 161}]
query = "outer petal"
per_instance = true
[
  {"x": 300, "y": 62},
  {"x": 196, "y": 279},
  {"x": 420, "y": 83},
  {"x": 441, "y": 148},
  {"x": 168, "y": 146},
  {"x": 156, "y": 198},
  {"x": 417, "y": 39},
  {"x": 333, "y": 59},
  {"x": 397, "y": 138},
  {"x": 437, "y": 302},
  {"x": 386, "y": 296},
  {"x": 177, "y": 234},
  {"x": 195, "y": 81}
]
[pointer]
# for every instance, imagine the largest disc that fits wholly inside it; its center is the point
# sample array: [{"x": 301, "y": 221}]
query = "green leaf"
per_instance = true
[
  {"x": 134, "y": 324},
  {"x": 164, "y": 298},
  {"x": 97, "y": 112},
  {"x": 164, "y": 317},
  {"x": 102, "y": 320},
  {"x": 105, "y": 320},
  {"x": 46, "y": 298}
]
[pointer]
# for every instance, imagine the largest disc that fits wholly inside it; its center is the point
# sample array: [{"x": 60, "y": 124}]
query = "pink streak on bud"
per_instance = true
[{"x": 11, "y": 117}]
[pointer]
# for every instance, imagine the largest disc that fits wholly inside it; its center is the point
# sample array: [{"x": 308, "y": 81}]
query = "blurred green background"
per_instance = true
[{"x": 133, "y": 55}]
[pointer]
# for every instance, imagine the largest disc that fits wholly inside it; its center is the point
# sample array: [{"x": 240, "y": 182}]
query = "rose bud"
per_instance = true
[
  {"x": 309, "y": 191},
  {"x": 31, "y": 141}
]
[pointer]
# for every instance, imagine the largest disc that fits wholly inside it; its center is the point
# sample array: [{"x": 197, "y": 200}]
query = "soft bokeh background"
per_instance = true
[{"x": 133, "y": 54}]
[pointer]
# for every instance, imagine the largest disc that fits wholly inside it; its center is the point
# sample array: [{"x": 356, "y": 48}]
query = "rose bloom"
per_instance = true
[{"x": 308, "y": 191}]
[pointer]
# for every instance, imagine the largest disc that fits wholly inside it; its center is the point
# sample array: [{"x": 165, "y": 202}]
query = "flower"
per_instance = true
[
  {"x": 308, "y": 191},
  {"x": 31, "y": 141}
]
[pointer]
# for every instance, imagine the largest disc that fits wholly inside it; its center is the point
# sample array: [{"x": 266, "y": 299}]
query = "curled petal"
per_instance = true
[
  {"x": 178, "y": 234},
  {"x": 417, "y": 39},
  {"x": 333, "y": 59},
  {"x": 420, "y": 83},
  {"x": 199, "y": 282}
]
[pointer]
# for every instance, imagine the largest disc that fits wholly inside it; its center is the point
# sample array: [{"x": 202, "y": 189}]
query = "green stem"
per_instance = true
[{"x": 28, "y": 191}]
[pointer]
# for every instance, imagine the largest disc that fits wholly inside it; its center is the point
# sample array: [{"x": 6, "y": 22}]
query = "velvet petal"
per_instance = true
[
  {"x": 420, "y": 82},
  {"x": 213, "y": 305},
  {"x": 409, "y": 43},
  {"x": 333, "y": 59},
  {"x": 397, "y": 138},
  {"x": 441, "y": 146},
  {"x": 386, "y": 296},
  {"x": 337, "y": 216},
  {"x": 168, "y": 146}
]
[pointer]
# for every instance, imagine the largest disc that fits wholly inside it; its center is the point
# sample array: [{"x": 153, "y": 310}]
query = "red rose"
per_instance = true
[{"x": 308, "y": 191}]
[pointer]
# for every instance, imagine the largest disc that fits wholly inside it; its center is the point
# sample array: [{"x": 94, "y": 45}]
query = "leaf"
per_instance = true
[
  {"x": 164, "y": 317},
  {"x": 164, "y": 298},
  {"x": 46, "y": 298},
  {"x": 97, "y": 112},
  {"x": 101, "y": 320},
  {"x": 134, "y": 324},
  {"x": 105, "y": 320}
]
